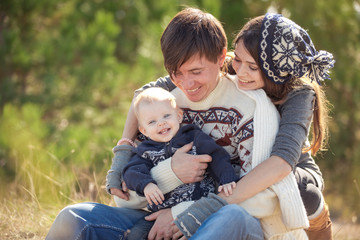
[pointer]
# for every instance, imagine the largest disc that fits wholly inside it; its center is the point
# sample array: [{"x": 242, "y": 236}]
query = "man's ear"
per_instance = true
[{"x": 222, "y": 57}]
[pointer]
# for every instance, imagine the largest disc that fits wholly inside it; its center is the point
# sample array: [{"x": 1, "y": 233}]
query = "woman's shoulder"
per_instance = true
[
  {"x": 301, "y": 96},
  {"x": 302, "y": 93},
  {"x": 305, "y": 89}
]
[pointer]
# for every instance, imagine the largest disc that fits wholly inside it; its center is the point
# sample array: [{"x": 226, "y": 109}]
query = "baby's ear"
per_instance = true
[
  {"x": 180, "y": 115},
  {"x": 142, "y": 130}
]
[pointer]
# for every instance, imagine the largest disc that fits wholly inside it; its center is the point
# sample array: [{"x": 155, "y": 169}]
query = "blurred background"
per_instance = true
[{"x": 68, "y": 69}]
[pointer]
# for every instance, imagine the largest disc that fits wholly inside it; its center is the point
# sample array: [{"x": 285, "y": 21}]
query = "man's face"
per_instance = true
[{"x": 198, "y": 77}]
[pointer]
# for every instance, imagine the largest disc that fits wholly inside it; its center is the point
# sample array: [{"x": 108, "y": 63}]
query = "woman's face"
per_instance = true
[
  {"x": 198, "y": 77},
  {"x": 247, "y": 71}
]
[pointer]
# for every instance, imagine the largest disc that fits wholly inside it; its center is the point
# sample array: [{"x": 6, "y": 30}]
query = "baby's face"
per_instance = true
[{"x": 159, "y": 120}]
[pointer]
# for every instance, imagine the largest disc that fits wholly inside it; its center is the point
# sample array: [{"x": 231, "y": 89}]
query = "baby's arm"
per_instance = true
[
  {"x": 136, "y": 174},
  {"x": 220, "y": 168},
  {"x": 153, "y": 194}
]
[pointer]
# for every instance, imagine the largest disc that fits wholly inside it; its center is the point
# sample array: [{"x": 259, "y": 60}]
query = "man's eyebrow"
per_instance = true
[{"x": 197, "y": 68}]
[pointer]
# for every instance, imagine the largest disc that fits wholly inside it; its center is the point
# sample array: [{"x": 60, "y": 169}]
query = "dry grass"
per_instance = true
[
  {"x": 24, "y": 220},
  {"x": 346, "y": 231}
]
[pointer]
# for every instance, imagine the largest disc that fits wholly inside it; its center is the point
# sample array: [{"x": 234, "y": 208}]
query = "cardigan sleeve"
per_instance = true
[
  {"x": 122, "y": 155},
  {"x": 296, "y": 116}
]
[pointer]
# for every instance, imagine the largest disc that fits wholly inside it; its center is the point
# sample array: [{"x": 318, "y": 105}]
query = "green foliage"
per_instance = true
[{"x": 69, "y": 69}]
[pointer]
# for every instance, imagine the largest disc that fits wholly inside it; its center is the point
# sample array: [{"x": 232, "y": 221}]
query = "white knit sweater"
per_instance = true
[{"x": 279, "y": 208}]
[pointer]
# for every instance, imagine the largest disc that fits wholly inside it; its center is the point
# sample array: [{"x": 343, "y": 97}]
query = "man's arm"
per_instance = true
[{"x": 180, "y": 168}]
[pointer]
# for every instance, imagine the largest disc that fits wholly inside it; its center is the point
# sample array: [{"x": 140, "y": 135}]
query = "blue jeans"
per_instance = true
[
  {"x": 230, "y": 222},
  {"x": 93, "y": 221}
]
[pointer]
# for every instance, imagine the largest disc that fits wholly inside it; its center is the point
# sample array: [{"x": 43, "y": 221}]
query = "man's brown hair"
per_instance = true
[{"x": 192, "y": 32}]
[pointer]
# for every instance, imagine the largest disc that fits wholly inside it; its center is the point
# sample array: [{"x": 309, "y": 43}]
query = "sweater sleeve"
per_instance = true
[
  {"x": 162, "y": 82},
  {"x": 195, "y": 215},
  {"x": 296, "y": 116},
  {"x": 122, "y": 155},
  {"x": 165, "y": 177},
  {"x": 137, "y": 174},
  {"x": 220, "y": 167}
]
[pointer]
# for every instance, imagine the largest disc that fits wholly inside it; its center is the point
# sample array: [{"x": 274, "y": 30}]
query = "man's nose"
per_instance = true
[{"x": 187, "y": 82}]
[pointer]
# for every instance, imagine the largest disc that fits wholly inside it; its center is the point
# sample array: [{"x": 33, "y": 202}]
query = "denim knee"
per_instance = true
[
  {"x": 239, "y": 224},
  {"x": 65, "y": 220},
  {"x": 238, "y": 214}
]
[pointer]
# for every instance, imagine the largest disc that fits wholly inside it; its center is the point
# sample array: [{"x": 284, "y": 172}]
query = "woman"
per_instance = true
[{"x": 291, "y": 69}]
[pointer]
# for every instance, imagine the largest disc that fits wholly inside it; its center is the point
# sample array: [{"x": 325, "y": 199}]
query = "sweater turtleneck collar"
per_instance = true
[{"x": 212, "y": 98}]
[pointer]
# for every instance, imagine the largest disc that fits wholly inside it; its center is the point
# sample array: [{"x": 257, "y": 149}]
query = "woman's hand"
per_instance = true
[
  {"x": 189, "y": 168},
  {"x": 162, "y": 228},
  {"x": 121, "y": 193}
]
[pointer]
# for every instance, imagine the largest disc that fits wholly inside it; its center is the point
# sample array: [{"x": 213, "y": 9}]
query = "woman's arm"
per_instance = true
[
  {"x": 131, "y": 125},
  {"x": 296, "y": 116},
  {"x": 122, "y": 155},
  {"x": 188, "y": 221},
  {"x": 267, "y": 173}
]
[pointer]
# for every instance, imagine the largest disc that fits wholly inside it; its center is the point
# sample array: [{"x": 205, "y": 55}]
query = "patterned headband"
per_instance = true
[{"x": 286, "y": 51}]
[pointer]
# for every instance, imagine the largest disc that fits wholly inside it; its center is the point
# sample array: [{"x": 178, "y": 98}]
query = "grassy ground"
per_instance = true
[
  {"x": 28, "y": 220},
  {"x": 346, "y": 231}
]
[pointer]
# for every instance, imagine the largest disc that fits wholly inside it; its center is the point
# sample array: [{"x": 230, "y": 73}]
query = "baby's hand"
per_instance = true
[
  {"x": 227, "y": 188},
  {"x": 153, "y": 194}
]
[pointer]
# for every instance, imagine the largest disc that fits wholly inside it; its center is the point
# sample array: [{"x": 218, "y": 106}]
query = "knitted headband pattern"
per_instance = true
[{"x": 286, "y": 52}]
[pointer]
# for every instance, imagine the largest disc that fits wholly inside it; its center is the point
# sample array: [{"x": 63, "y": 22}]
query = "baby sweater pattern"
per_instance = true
[{"x": 150, "y": 153}]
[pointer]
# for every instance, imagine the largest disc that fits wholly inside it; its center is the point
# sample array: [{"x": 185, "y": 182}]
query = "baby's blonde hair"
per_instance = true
[{"x": 151, "y": 95}]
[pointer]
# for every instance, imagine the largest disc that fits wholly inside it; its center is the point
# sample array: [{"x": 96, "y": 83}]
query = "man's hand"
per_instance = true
[
  {"x": 177, "y": 234},
  {"x": 123, "y": 194},
  {"x": 153, "y": 194},
  {"x": 189, "y": 168},
  {"x": 162, "y": 228}
]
